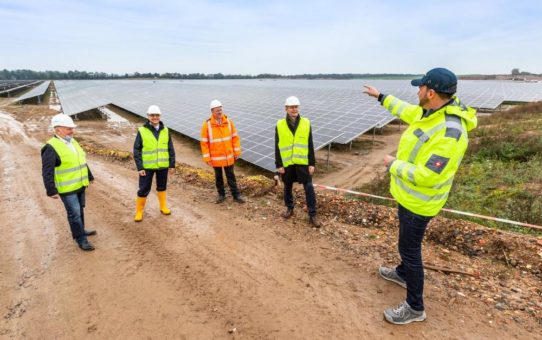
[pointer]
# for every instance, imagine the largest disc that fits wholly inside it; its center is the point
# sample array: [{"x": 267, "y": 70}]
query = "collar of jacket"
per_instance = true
[
  {"x": 427, "y": 113},
  {"x": 223, "y": 123},
  {"x": 292, "y": 125},
  {"x": 296, "y": 118},
  {"x": 63, "y": 140},
  {"x": 149, "y": 126}
]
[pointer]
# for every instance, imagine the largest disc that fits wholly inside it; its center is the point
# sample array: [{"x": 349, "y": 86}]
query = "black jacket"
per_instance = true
[
  {"x": 138, "y": 146},
  {"x": 295, "y": 172},
  {"x": 50, "y": 160}
]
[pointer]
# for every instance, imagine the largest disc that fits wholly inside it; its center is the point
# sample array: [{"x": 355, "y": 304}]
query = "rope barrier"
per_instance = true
[{"x": 465, "y": 213}]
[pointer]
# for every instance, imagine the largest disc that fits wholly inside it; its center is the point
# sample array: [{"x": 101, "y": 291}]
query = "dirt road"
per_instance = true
[
  {"x": 360, "y": 165},
  {"x": 204, "y": 272}
]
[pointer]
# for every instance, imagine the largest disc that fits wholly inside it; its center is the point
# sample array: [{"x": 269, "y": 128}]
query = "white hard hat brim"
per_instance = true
[{"x": 66, "y": 125}]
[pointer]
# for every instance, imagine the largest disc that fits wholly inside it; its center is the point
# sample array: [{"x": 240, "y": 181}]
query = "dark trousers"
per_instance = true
[
  {"x": 411, "y": 230},
  {"x": 310, "y": 196},
  {"x": 75, "y": 206},
  {"x": 145, "y": 182},
  {"x": 230, "y": 176}
]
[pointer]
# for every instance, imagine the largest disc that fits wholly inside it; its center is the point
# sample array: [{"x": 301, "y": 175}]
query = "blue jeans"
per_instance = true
[
  {"x": 411, "y": 230},
  {"x": 310, "y": 197},
  {"x": 75, "y": 204}
]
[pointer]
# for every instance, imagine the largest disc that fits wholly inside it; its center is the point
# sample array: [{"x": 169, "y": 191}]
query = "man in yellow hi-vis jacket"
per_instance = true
[
  {"x": 428, "y": 156},
  {"x": 295, "y": 159},
  {"x": 153, "y": 154},
  {"x": 66, "y": 175}
]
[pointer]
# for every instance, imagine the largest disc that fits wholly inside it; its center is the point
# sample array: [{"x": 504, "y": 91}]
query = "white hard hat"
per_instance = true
[
  {"x": 62, "y": 120},
  {"x": 292, "y": 101},
  {"x": 215, "y": 103},
  {"x": 154, "y": 110}
]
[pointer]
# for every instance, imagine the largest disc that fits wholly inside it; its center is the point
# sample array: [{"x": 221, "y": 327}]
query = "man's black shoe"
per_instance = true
[
  {"x": 288, "y": 213},
  {"x": 220, "y": 199},
  {"x": 86, "y": 245},
  {"x": 90, "y": 232},
  {"x": 239, "y": 199}
]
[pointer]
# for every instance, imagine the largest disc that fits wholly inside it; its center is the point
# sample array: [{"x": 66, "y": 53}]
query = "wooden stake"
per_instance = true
[{"x": 448, "y": 270}]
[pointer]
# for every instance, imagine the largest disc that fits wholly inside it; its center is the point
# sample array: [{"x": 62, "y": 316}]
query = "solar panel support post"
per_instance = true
[
  {"x": 351, "y": 145},
  {"x": 374, "y": 132},
  {"x": 328, "y": 152}
]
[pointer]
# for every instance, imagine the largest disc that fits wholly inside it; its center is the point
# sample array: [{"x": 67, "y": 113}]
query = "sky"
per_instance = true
[{"x": 275, "y": 36}]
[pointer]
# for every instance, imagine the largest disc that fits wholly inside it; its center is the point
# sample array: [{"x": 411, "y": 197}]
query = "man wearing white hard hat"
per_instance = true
[
  {"x": 220, "y": 148},
  {"x": 294, "y": 158},
  {"x": 153, "y": 154},
  {"x": 66, "y": 175}
]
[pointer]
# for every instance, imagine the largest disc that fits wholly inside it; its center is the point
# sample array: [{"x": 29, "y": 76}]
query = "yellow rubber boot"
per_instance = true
[
  {"x": 140, "y": 205},
  {"x": 163, "y": 205}
]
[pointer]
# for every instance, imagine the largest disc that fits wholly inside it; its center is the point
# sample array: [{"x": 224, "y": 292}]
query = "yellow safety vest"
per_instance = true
[
  {"x": 294, "y": 149},
  {"x": 155, "y": 154},
  {"x": 429, "y": 153},
  {"x": 72, "y": 173}
]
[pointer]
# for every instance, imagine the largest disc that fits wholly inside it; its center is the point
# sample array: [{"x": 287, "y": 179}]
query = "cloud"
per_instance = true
[{"x": 288, "y": 37}]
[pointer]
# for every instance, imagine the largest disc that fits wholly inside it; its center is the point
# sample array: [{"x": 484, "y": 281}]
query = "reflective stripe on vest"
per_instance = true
[
  {"x": 399, "y": 111},
  {"x": 420, "y": 195},
  {"x": 410, "y": 172},
  {"x": 221, "y": 158},
  {"x": 452, "y": 122},
  {"x": 216, "y": 140},
  {"x": 155, "y": 153},
  {"x": 294, "y": 149},
  {"x": 72, "y": 173}
]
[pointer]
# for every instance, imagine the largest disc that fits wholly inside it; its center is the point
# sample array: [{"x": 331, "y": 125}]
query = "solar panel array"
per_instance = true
[
  {"x": 8, "y": 86},
  {"x": 489, "y": 94},
  {"x": 338, "y": 110},
  {"x": 35, "y": 92}
]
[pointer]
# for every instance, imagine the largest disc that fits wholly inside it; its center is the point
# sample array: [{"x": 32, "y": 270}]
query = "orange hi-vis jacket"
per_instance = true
[{"x": 220, "y": 143}]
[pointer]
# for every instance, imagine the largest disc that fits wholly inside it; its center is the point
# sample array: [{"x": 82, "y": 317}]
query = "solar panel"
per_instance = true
[
  {"x": 338, "y": 109},
  {"x": 35, "y": 92}
]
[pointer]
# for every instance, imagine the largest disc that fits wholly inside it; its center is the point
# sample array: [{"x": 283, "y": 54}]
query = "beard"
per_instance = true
[{"x": 423, "y": 101}]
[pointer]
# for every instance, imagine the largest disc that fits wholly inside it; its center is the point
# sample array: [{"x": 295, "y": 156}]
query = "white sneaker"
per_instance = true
[
  {"x": 403, "y": 314},
  {"x": 390, "y": 274}
]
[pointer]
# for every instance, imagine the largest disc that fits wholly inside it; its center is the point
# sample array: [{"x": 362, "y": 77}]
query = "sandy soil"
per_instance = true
[
  {"x": 204, "y": 272},
  {"x": 360, "y": 164}
]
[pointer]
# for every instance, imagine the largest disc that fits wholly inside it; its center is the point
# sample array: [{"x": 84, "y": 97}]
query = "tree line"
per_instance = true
[{"x": 54, "y": 75}]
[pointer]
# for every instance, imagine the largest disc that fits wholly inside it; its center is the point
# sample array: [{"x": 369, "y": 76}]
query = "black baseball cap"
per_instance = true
[{"x": 439, "y": 79}]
